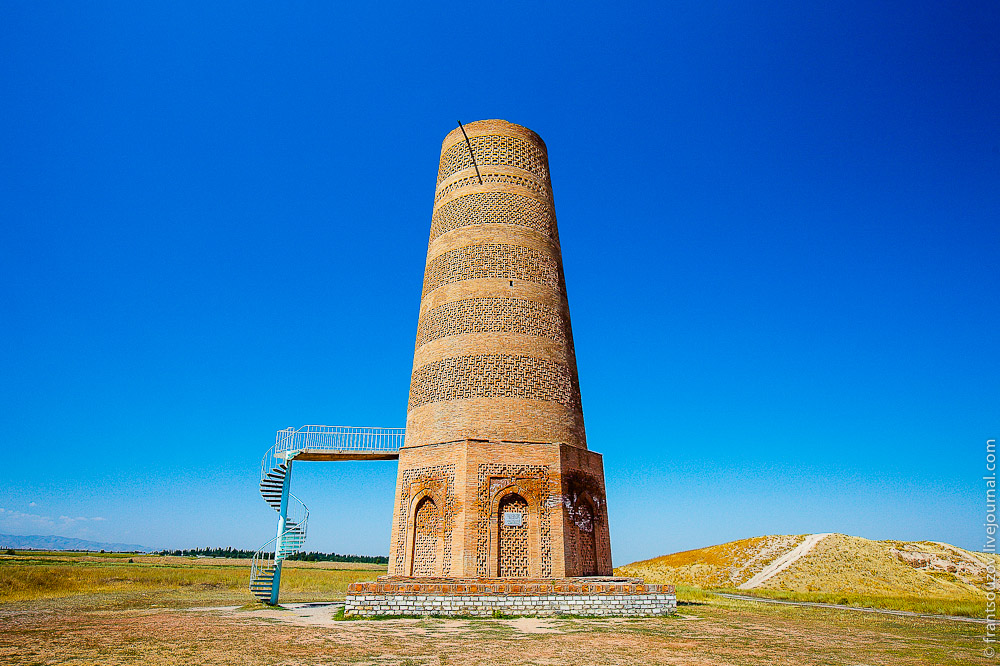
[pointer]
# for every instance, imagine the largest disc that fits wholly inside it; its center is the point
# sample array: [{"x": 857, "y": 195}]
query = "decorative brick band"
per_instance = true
[
  {"x": 508, "y": 586},
  {"x": 494, "y": 376},
  {"x": 492, "y": 260},
  {"x": 492, "y": 208},
  {"x": 494, "y": 149},
  {"x": 494, "y": 178},
  {"x": 491, "y": 315}
]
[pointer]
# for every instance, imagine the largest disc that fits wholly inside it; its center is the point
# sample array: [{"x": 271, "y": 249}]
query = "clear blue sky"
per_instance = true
[{"x": 779, "y": 226}]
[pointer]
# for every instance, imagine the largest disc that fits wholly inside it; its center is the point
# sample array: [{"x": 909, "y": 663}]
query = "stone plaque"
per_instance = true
[{"x": 512, "y": 518}]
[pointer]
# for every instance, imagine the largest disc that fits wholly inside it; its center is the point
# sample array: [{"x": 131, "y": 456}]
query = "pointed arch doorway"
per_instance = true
[
  {"x": 426, "y": 544},
  {"x": 513, "y": 547}
]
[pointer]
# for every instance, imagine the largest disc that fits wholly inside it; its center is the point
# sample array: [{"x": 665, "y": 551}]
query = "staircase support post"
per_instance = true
[{"x": 279, "y": 542}]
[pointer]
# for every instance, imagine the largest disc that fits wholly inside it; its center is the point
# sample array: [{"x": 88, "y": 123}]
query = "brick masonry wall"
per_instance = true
[
  {"x": 477, "y": 597},
  {"x": 561, "y": 485},
  {"x": 494, "y": 358},
  {"x": 495, "y": 417},
  {"x": 636, "y": 605}
]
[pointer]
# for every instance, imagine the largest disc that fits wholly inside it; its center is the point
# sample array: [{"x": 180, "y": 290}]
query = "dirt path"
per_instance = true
[
  {"x": 886, "y": 611},
  {"x": 784, "y": 561}
]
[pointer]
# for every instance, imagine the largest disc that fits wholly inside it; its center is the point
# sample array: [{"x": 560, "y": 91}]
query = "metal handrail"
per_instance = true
[
  {"x": 287, "y": 443},
  {"x": 269, "y": 462},
  {"x": 296, "y": 522},
  {"x": 262, "y": 559},
  {"x": 338, "y": 438},
  {"x": 297, "y": 512}
]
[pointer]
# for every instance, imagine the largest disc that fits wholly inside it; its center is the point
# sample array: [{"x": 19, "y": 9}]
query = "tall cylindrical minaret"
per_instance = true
[
  {"x": 495, "y": 478},
  {"x": 494, "y": 355}
]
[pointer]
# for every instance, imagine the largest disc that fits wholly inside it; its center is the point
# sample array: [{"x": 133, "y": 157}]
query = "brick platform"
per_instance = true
[{"x": 392, "y": 595}]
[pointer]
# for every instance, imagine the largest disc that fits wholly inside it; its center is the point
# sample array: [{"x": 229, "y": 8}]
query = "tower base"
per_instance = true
[
  {"x": 497, "y": 509},
  {"x": 486, "y": 597}
]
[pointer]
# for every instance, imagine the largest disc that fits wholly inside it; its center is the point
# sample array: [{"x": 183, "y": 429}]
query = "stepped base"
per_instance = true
[{"x": 593, "y": 596}]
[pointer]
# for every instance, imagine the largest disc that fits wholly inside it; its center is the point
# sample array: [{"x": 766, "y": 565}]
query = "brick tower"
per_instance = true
[{"x": 495, "y": 479}]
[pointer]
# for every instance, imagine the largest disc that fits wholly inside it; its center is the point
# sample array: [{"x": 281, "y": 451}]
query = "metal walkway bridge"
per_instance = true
[{"x": 311, "y": 442}]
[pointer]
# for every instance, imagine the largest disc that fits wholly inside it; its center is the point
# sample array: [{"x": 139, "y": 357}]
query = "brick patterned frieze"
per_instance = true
[
  {"x": 494, "y": 150},
  {"x": 491, "y": 315},
  {"x": 494, "y": 376},
  {"x": 493, "y": 208},
  {"x": 537, "y": 188},
  {"x": 492, "y": 260}
]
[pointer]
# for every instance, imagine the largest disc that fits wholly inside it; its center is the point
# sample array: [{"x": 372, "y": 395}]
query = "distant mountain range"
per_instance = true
[{"x": 39, "y": 542}]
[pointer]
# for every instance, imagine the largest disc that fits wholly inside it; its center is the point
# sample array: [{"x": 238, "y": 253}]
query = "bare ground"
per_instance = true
[{"x": 96, "y": 630}]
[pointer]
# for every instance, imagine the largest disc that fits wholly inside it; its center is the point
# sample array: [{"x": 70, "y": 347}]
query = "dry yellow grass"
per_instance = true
[
  {"x": 921, "y": 576},
  {"x": 845, "y": 564},
  {"x": 711, "y": 632},
  {"x": 724, "y": 565},
  {"x": 87, "y": 609},
  {"x": 46, "y": 575}
]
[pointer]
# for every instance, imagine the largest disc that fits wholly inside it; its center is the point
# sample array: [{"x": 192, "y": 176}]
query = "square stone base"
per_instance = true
[
  {"x": 451, "y": 501},
  {"x": 485, "y": 597}
]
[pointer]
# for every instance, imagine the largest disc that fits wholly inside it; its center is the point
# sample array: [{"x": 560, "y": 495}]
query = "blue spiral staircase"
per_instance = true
[{"x": 317, "y": 443}]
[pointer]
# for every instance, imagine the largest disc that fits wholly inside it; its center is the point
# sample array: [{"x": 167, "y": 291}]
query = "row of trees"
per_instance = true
[
  {"x": 247, "y": 554},
  {"x": 334, "y": 557}
]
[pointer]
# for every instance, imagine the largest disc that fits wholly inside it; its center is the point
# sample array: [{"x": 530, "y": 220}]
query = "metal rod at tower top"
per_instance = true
[{"x": 471, "y": 154}]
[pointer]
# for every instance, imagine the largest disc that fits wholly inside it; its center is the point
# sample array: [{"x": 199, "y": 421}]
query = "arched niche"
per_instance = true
[
  {"x": 425, "y": 536},
  {"x": 514, "y": 549}
]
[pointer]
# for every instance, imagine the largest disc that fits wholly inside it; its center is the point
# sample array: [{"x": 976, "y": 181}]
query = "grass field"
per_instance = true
[
  {"x": 180, "y": 627},
  {"x": 29, "y": 575},
  {"x": 965, "y": 607},
  {"x": 85, "y": 608},
  {"x": 105, "y": 609},
  {"x": 923, "y": 577}
]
